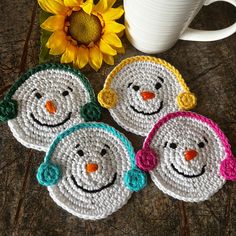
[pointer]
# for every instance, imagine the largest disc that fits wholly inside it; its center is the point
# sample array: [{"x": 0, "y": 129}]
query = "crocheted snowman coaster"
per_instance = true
[
  {"x": 45, "y": 101},
  {"x": 188, "y": 156},
  {"x": 141, "y": 90},
  {"x": 90, "y": 170}
]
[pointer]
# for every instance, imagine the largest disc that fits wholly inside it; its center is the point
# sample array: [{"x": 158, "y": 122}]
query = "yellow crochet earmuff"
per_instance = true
[
  {"x": 186, "y": 100},
  {"x": 108, "y": 97}
]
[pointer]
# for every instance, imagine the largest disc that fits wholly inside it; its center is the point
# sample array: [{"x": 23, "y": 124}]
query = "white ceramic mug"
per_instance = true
[{"x": 154, "y": 26}]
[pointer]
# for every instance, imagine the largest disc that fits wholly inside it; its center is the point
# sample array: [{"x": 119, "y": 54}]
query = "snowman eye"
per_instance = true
[
  {"x": 201, "y": 145},
  {"x": 65, "y": 93},
  {"x": 104, "y": 151},
  {"x": 136, "y": 88},
  {"x": 38, "y": 95},
  {"x": 173, "y": 145},
  {"x": 80, "y": 152},
  {"x": 158, "y": 86}
]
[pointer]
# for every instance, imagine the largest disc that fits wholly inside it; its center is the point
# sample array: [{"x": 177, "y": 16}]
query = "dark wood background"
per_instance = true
[{"x": 210, "y": 71}]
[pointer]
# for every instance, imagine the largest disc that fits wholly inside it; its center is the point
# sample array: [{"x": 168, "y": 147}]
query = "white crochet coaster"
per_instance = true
[
  {"x": 50, "y": 98},
  {"x": 85, "y": 170},
  {"x": 141, "y": 90},
  {"x": 189, "y": 149}
]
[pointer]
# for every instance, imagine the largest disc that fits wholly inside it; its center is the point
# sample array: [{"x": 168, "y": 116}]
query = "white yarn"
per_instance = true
[
  {"x": 50, "y": 84},
  {"x": 187, "y": 133},
  {"x": 145, "y": 75},
  {"x": 116, "y": 161}
]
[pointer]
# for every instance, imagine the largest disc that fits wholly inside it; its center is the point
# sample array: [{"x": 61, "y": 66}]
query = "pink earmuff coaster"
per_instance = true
[{"x": 188, "y": 156}]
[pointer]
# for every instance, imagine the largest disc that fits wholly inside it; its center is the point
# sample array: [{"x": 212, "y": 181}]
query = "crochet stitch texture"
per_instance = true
[
  {"x": 141, "y": 90},
  {"x": 45, "y": 101},
  {"x": 90, "y": 170},
  {"x": 194, "y": 156}
]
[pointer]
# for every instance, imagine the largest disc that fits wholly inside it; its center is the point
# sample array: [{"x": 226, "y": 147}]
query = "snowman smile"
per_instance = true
[
  {"x": 186, "y": 175},
  {"x": 53, "y": 125},
  {"x": 146, "y": 113},
  {"x": 94, "y": 190}
]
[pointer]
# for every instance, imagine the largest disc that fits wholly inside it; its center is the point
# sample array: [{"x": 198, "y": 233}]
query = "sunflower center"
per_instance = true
[{"x": 84, "y": 28}]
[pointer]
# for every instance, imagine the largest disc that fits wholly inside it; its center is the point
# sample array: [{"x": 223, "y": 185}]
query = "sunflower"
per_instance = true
[{"x": 83, "y": 32}]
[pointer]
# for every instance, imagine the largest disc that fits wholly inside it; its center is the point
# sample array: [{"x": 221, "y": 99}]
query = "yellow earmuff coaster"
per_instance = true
[{"x": 141, "y": 90}]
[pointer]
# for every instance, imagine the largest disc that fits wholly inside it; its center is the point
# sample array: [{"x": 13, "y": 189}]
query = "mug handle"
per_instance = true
[{"x": 209, "y": 35}]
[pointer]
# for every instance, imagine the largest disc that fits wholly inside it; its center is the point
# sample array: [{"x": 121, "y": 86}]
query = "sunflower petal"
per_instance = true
[
  {"x": 95, "y": 58},
  {"x": 114, "y": 27},
  {"x": 72, "y": 3},
  {"x": 120, "y": 50},
  {"x": 87, "y": 6},
  {"x": 52, "y": 6},
  {"x": 69, "y": 54},
  {"x": 57, "y": 43},
  {"x": 106, "y": 48},
  {"x": 60, "y": 2},
  {"x": 82, "y": 57},
  {"x": 101, "y": 6},
  {"x": 54, "y": 23},
  {"x": 113, "y": 13},
  {"x": 112, "y": 39},
  {"x": 108, "y": 59},
  {"x": 110, "y": 3}
]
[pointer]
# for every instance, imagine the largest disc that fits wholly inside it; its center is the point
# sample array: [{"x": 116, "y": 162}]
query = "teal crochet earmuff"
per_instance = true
[
  {"x": 8, "y": 106},
  {"x": 49, "y": 174}
]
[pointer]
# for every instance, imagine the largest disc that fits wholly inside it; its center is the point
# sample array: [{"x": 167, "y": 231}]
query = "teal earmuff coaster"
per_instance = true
[
  {"x": 45, "y": 101},
  {"x": 90, "y": 170}
]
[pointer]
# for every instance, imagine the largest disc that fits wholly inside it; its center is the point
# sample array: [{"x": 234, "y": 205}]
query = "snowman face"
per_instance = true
[
  {"x": 48, "y": 102},
  {"x": 189, "y": 153},
  {"x": 146, "y": 92},
  {"x": 93, "y": 163}
]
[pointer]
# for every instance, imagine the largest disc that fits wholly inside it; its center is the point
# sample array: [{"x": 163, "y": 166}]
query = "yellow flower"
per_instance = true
[{"x": 83, "y": 32}]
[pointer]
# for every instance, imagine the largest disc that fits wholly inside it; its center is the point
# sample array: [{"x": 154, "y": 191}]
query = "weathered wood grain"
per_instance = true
[{"x": 209, "y": 69}]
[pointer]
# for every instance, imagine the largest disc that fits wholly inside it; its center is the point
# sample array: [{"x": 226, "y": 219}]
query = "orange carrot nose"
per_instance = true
[
  {"x": 146, "y": 95},
  {"x": 50, "y": 107},
  {"x": 91, "y": 167},
  {"x": 190, "y": 155}
]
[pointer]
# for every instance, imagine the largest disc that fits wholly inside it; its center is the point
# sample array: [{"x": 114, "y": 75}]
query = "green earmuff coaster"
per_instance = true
[{"x": 45, "y": 101}]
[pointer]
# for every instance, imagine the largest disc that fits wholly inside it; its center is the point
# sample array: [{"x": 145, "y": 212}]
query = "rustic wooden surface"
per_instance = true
[{"x": 209, "y": 69}]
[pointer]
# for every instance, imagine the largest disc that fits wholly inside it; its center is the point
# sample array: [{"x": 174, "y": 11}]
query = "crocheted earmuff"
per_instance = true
[
  {"x": 8, "y": 109},
  {"x": 108, "y": 97},
  {"x": 8, "y": 106},
  {"x": 147, "y": 158},
  {"x": 49, "y": 173},
  {"x": 194, "y": 156}
]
